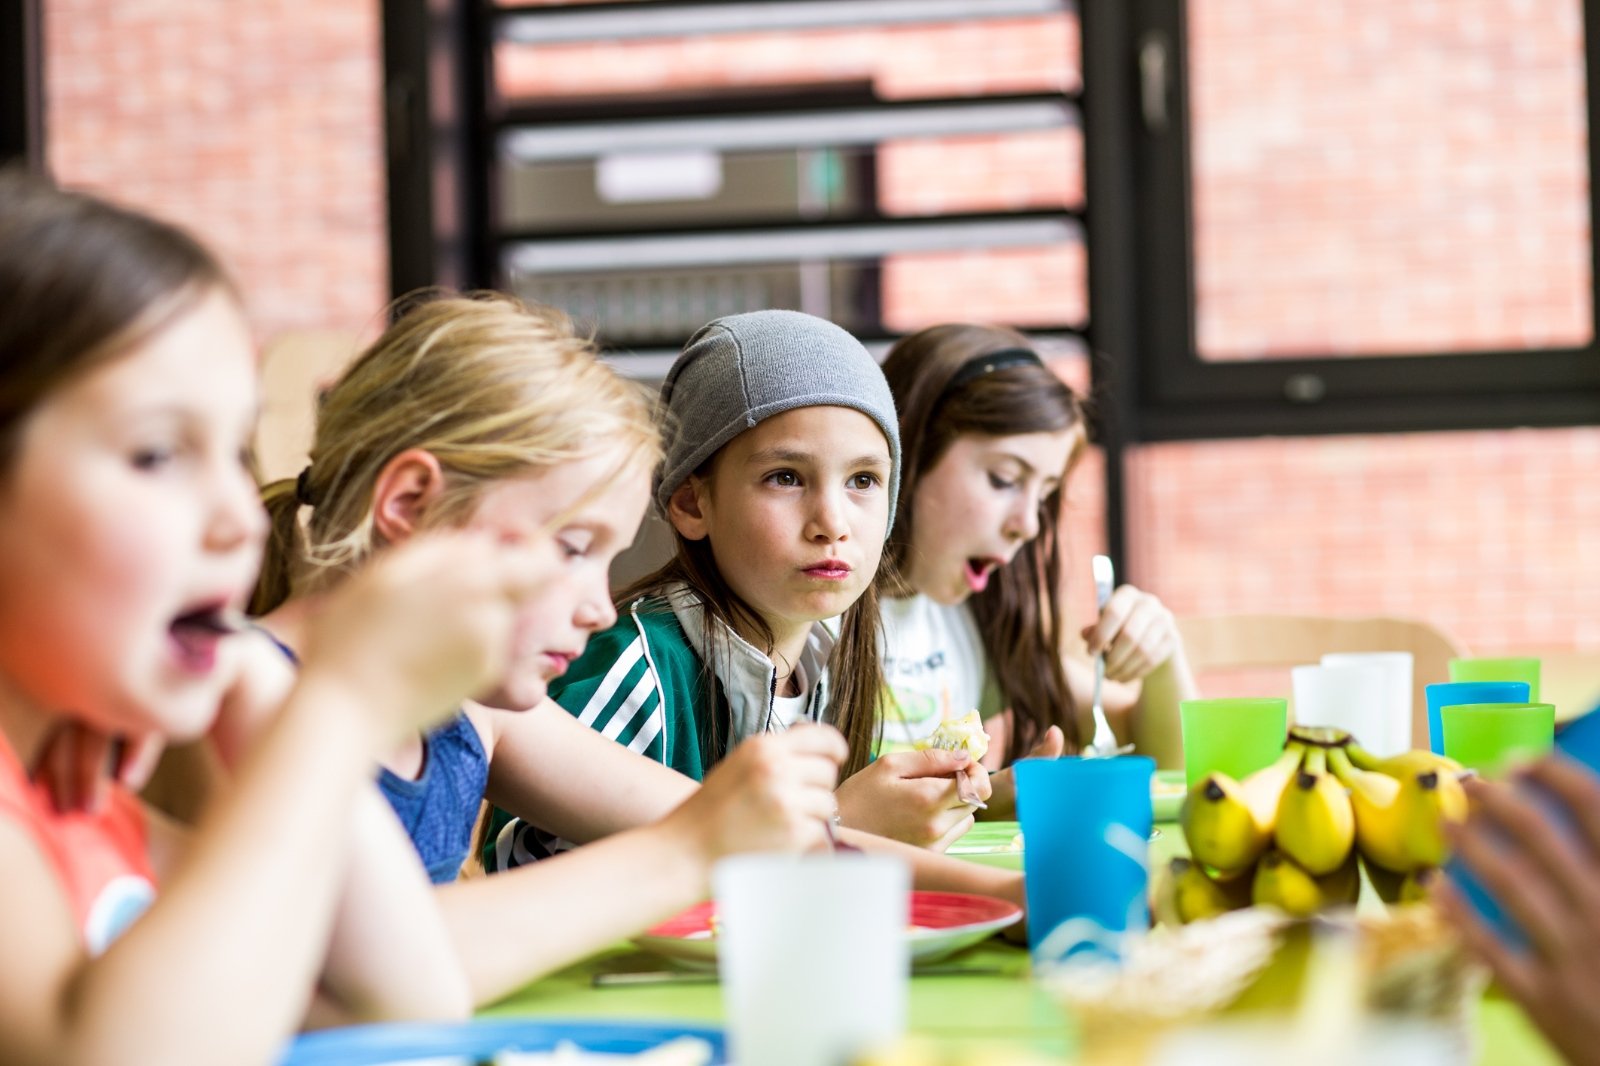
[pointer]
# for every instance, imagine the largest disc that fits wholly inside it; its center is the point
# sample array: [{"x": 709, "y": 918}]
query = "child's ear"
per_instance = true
[
  {"x": 406, "y": 486},
  {"x": 686, "y": 509}
]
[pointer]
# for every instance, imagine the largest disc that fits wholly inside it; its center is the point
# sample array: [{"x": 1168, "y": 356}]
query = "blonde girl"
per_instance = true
[
  {"x": 129, "y": 537},
  {"x": 485, "y": 414},
  {"x": 974, "y": 619},
  {"x": 779, "y": 481}
]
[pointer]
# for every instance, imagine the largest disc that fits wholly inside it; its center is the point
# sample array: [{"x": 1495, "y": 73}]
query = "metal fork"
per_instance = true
[{"x": 1104, "y": 743}]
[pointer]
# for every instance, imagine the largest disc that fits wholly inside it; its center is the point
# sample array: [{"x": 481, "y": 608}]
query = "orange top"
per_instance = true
[{"x": 102, "y": 859}]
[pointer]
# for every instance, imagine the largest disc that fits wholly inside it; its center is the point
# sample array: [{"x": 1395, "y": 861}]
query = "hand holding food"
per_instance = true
[
  {"x": 772, "y": 793},
  {"x": 425, "y": 625},
  {"x": 914, "y": 796},
  {"x": 961, "y": 734}
]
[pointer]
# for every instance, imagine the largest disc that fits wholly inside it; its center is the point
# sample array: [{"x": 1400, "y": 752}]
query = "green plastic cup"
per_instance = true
[
  {"x": 1493, "y": 737},
  {"x": 1525, "y": 669},
  {"x": 1234, "y": 736}
]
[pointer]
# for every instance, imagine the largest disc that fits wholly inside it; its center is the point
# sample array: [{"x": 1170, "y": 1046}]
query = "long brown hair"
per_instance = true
[
  {"x": 81, "y": 282},
  {"x": 855, "y": 668},
  {"x": 1019, "y": 615}
]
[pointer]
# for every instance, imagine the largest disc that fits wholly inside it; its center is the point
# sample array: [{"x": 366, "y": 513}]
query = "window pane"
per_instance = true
[
  {"x": 688, "y": 188},
  {"x": 873, "y": 130},
  {"x": 1376, "y": 178},
  {"x": 659, "y": 308}
]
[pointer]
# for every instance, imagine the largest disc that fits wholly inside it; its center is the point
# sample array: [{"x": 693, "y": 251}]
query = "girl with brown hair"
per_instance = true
[{"x": 973, "y": 617}]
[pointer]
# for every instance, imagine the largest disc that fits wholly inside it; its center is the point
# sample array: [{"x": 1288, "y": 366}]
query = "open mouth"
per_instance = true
[
  {"x": 978, "y": 571},
  {"x": 195, "y": 634}
]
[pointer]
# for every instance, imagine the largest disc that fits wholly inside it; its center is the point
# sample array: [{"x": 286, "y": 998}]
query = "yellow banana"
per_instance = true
[
  {"x": 1405, "y": 764},
  {"x": 1228, "y": 823},
  {"x": 1380, "y": 830},
  {"x": 1400, "y": 821},
  {"x": 1316, "y": 826},
  {"x": 1428, "y": 800},
  {"x": 1198, "y": 896},
  {"x": 1281, "y": 883}
]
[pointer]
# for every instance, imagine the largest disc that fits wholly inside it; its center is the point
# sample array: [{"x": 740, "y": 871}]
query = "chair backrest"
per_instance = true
[
  {"x": 1272, "y": 641},
  {"x": 294, "y": 368}
]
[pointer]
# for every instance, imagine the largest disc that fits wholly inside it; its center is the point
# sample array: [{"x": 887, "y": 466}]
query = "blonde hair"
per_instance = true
[{"x": 491, "y": 387}]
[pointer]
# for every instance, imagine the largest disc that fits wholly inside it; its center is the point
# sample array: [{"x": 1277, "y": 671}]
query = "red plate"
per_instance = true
[{"x": 942, "y": 923}]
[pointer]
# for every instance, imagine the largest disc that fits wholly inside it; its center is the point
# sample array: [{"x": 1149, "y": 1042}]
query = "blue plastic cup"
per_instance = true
[
  {"x": 1578, "y": 740},
  {"x": 1086, "y": 826},
  {"x": 1453, "y": 693}
]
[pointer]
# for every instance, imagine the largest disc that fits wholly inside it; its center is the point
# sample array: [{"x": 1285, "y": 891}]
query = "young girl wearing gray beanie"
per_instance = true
[{"x": 780, "y": 478}]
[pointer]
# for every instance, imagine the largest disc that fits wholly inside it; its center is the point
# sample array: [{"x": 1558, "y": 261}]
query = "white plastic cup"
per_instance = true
[
  {"x": 1398, "y": 697},
  {"x": 1351, "y": 698},
  {"x": 814, "y": 955}
]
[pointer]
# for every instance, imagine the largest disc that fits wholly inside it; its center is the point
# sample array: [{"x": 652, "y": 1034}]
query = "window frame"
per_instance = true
[
  {"x": 22, "y": 83},
  {"x": 1143, "y": 313}
]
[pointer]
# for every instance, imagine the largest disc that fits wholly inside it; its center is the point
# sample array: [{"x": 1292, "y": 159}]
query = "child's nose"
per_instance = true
[
  {"x": 237, "y": 518},
  {"x": 828, "y": 522},
  {"x": 596, "y": 612},
  {"x": 1023, "y": 523}
]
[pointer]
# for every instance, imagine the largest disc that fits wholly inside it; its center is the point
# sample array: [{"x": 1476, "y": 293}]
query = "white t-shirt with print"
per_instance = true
[{"x": 934, "y": 666}]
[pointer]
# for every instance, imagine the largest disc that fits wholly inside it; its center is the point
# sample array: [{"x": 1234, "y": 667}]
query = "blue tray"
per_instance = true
[{"x": 370, "y": 1045}]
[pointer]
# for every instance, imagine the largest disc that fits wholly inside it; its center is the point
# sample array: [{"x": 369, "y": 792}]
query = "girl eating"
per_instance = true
[
  {"x": 974, "y": 619},
  {"x": 129, "y": 539}
]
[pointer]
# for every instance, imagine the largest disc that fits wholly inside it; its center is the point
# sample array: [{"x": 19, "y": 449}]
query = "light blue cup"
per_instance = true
[
  {"x": 1452, "y": 693},
  {"x": 1086, "y": 864},
  {"x": 1578, "y": 740}
]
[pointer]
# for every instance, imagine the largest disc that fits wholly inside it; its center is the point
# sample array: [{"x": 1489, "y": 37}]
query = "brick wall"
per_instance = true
[
  {"x": 1494, "y": 536},
  {"x": 1372, "y": 177},
  {"x": 255, "y": 124}
]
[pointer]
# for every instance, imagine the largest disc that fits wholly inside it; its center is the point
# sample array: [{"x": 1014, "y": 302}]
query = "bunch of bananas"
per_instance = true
[{"x": 1289, "y": 834}]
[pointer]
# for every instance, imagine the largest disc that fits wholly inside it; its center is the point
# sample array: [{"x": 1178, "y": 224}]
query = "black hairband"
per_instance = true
[
  {"x": 302, "y": 489},
  {"x": 989, "y": 362}
]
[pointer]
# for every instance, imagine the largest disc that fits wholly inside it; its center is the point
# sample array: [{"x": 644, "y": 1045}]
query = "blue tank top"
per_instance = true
[{"x": 440, "y": 807}]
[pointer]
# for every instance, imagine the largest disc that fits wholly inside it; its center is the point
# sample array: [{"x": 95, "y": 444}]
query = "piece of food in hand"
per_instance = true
[{"x": 959, "y": 734}]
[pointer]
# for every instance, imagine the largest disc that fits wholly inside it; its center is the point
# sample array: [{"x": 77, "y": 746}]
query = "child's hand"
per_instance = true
[
  {"x": 1137, "y": 632},
  {"x": 425, "y": 625},
  {"x": 772, "y": 793},
  {"x": 79, "y": 764},
  {"x": 1546, "y": 877},
  {"x": 1003, "y": 801},
  {"x": 913, "y": 796}
]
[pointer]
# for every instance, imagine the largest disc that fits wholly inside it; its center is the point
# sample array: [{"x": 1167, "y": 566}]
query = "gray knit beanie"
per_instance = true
[{"x": 742, "y": 369}]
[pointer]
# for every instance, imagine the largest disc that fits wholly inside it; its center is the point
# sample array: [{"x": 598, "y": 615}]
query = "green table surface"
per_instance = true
[{"x": 997, "y": 1010}]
